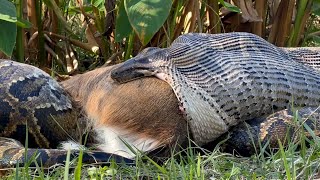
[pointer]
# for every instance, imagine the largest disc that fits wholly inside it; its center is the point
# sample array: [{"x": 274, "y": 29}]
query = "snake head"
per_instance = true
[{"x": 147, "y": 63}]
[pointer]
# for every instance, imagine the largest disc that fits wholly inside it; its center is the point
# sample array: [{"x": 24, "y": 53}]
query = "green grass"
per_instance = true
[
  {"x": 294, "y": 161},
  {"x": 287, "y": 163}
]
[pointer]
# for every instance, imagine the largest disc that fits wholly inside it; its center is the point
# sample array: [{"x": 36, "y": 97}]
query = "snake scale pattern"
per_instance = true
[
  {"x": 34, "y": 105},
  {"x": 30, "y": 96},
  {"x": 224, "y": 79}
]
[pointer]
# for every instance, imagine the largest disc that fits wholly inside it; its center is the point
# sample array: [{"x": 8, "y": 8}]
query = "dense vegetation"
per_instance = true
[{"x": 66, "y": 37}]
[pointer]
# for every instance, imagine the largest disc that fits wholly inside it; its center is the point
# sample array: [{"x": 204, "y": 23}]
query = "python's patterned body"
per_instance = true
[
  {"x": 248, "y": 138},
  {"x": 223, "y": 79},
  {"x": 30, "y": 100}
]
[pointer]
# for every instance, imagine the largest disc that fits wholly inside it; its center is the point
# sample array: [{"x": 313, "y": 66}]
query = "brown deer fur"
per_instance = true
[{"x": 145, "y": 108}]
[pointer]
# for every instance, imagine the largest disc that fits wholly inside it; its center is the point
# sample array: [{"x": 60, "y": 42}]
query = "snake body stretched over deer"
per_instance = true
[{"x": 223, "y": 79}]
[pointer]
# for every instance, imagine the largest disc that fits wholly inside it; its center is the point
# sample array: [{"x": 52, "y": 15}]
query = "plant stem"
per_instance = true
[
  {"x": 41, "y": 53},
  {"x": 19, "y": 38},
  {"x": 129, "y": 46},
  {"x": 294, "y": 36},
  {"x": 214, "y": 19}
]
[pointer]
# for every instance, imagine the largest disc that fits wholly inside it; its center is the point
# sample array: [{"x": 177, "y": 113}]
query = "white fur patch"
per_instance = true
[
  {"x": 115, "y": 141},
  {"x": 71, "y": 145},
  {"x": 162, "y": 76}
]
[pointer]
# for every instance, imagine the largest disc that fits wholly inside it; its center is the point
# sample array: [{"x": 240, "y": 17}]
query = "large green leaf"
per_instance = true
[
  {"x": 23, "y": 23},
  {"x": 7, "y": 11},
  {"x": 8, "y": 33},
  {"x": 99, "y": 4},
  {"x": 123, "y": 27},
  {"x": 8, "y": 30},
  {"x": 147, "y": 16},
  {"x": 230, "y": 7}
]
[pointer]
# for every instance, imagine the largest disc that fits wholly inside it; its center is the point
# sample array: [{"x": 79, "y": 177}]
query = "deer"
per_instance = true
[{"x": 143, "y": 114}]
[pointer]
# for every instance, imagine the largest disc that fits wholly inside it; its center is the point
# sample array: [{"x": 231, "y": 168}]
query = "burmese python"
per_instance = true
[
  {"x": 31, "y": 101},
  {"x": 28, "y": 96},
  {"x": 224, "y": 79}
]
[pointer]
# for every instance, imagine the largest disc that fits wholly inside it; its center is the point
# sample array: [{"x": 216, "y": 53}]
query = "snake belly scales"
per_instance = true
[
  {"x": 224, "y": 79},
  {"x": 29, "y": 95}
]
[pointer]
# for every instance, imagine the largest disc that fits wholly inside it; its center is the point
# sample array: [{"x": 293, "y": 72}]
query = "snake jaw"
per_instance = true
[
  {"x": 126, "y": 75},
  {"x": 131, "y": 70},
  {"x": 134, "y": 69},
  {"x": 147, "y": 63}
]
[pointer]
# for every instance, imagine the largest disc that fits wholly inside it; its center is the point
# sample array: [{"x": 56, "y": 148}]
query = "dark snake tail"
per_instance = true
[{"x": 12, "y": 154}]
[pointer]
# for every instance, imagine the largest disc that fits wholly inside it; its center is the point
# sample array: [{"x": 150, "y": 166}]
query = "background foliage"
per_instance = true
[{"x": 67, "y": 37}]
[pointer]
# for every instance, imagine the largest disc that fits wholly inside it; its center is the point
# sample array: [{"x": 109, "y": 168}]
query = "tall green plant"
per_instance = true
[
  {"x": 8, "y": 30},
  {"x": 10, "y": 20},
  {"x": 145, "y": 17},
  {"x": 299, "y": 22},
  {"x": 19, "y": 39}
]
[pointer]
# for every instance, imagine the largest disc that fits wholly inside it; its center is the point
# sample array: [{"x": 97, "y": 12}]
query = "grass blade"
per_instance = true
[
  {"x": 66, "y": 168},
  {"x": 284, "y": 158}
]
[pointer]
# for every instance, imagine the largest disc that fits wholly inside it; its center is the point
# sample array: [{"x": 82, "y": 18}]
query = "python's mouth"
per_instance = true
[
  {"x": 143, "y": 65},
  {"x": 130, "y": 75},
  {"x": 131, "y": 70}
]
